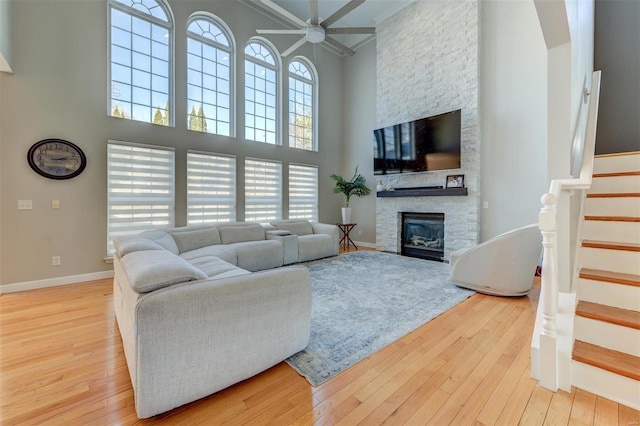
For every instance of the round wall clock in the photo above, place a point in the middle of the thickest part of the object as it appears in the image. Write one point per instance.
(56, 159)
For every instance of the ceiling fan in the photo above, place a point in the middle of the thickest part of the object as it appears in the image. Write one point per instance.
(316, 31)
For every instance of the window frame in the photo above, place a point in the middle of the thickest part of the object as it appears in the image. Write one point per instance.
(278, 90)
(315, 105)
(231, 49)
(170, 26)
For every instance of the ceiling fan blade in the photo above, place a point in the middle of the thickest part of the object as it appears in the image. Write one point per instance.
(301, 31)
(284, 13)
(335, 43)
(351, 30)
(341, 12)
(313, 12)
(295, 46)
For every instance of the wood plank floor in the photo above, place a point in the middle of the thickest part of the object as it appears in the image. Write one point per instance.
(61, 363)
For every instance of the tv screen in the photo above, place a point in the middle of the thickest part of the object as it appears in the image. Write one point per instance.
(427, 144)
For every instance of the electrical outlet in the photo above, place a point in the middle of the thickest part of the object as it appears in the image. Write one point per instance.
(359, 232)
(485, 204)
(25, 204)
(55, 261)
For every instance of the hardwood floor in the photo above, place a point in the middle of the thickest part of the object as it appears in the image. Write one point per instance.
(61, 363)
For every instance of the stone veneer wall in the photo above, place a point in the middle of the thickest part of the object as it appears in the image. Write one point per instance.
(427, 64)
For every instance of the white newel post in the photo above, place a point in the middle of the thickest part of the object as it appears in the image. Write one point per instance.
(549, 294)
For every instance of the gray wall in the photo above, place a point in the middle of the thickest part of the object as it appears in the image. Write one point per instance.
(513, 111)
(617, 55)
(6, 44)
(59, 90)
(359, 122)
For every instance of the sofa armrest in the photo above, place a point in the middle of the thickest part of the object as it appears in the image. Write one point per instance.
(289, 242)
(195, 339)
(325, 228)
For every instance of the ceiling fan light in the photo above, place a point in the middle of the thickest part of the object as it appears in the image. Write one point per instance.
(315, 34)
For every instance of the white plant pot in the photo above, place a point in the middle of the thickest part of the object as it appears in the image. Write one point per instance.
(346, 215)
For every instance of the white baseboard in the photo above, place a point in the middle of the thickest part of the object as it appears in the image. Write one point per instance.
(53, 282)
(363, 244)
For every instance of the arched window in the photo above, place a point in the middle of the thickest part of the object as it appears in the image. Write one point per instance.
(141, 57)
(209, 76)
(260, 90)
(302, 105)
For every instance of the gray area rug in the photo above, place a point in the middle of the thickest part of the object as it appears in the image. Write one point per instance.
(365, 300)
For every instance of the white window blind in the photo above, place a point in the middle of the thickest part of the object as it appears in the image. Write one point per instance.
(211, 188)
(140, 189)
(303, 192)
(263, 190)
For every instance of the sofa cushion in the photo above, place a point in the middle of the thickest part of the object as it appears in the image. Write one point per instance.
(226, 253)
(258, 255)
(192, 239)
(161, 237)
(241, 233)
(126, 245)
(215, 267)
(317, 246)
(150, 270)
(298, 227)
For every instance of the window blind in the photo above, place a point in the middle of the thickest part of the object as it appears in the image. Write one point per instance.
(140, 189)
(263, 190)
(303, 192)
(211, 188)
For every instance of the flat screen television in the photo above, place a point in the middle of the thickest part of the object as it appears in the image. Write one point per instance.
(427, 144)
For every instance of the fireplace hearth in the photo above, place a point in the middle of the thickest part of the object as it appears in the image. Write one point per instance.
(423, 235)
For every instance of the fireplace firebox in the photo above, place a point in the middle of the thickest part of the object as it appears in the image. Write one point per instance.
(423, 235)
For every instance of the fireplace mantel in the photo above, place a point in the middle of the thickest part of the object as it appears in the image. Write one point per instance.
(423, 192)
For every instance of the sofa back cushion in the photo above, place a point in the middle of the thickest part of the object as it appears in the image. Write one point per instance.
(241, 233)
(151, 270)
(161, 237)
(191, 239)
(297, 227)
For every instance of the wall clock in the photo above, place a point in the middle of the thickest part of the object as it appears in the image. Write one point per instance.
(56, 159)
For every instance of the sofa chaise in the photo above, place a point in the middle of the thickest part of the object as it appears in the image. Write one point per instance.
(201, 308)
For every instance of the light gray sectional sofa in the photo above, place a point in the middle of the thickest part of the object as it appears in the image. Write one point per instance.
(201, 308)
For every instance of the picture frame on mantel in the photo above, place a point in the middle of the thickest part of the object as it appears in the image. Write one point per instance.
(455, 181)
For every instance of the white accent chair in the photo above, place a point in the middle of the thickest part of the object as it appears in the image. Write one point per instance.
(502, 266)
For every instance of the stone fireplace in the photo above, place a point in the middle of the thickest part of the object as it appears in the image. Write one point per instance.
(423, 235)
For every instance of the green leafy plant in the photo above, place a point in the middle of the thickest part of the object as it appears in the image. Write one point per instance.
(355, 186)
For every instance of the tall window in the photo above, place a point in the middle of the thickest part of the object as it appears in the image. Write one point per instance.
(140, 189)
(209, 60)
(303, 192)
(141, 56)
(263, 190)
(302, 115)
(211, 188)
(260, 91)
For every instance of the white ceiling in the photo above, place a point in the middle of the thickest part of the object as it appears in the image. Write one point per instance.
(368, 14)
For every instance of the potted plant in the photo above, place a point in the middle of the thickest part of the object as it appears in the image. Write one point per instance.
(355, 186)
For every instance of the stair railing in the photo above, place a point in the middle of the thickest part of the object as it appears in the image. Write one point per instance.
(557, 243)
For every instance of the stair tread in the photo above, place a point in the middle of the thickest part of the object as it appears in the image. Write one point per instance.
(616, 174)
(610, 245)
(610, 314)
(613, 218)
(616, 362)
(612, 194)
(610, 277)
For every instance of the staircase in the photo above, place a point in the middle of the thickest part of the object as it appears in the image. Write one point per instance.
(606, 349)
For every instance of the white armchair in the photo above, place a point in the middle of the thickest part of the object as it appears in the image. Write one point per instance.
(502, 266)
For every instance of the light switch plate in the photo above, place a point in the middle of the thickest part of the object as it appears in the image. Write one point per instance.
(25, 204)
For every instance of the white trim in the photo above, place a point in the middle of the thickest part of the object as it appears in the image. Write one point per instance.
(54, 282)
(363, 244)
